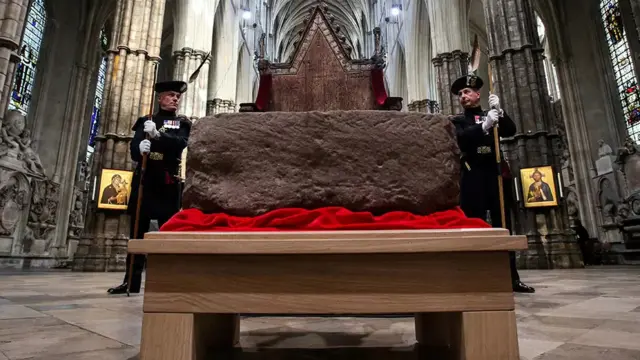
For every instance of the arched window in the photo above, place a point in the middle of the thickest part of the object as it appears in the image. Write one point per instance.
(97, 100)
(625, 77)
(29, 52)
(549, 68)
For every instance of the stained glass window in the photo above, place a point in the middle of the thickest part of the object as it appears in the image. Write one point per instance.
(29, 52)
(626, 80)
(97, 100)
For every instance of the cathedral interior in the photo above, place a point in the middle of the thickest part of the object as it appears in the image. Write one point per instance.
(76, 74)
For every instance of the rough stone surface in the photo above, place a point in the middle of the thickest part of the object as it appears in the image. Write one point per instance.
(246, 164)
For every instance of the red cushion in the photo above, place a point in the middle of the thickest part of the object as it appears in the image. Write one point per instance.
(329, 218)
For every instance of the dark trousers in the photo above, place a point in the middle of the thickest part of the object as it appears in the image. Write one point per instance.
(138, 259)
(474, 209)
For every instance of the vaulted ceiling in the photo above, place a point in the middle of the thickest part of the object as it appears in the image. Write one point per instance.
(287, 20)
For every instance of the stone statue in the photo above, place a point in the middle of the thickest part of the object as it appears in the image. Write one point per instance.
(7, 140)
(566, 158)
(18, 139)
(629, 148)
(76, 218)
(629, 159)
(377, 41)
(622, 213)
(572, 204)
(28, 239)
(604, 149)
(31, 158)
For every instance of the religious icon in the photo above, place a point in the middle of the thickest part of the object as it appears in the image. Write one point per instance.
(114, 189)
(614, 23)
(538, 187)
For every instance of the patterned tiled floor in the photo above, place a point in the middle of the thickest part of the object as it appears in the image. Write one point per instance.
(589, 314)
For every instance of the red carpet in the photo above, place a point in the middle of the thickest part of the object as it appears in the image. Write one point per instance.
(329, 218)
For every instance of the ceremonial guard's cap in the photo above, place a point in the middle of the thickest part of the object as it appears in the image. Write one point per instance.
(177, 86)
(467, 81)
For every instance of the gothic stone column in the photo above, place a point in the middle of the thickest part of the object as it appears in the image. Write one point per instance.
(519, 79)
(128, 90)
(12, 15)
(450, 41)
(194, 102)
(186, 61)
(449, 67)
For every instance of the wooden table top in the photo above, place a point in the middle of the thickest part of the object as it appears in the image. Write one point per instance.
(328, 242)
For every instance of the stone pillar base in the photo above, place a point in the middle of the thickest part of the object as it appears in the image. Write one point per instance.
(425, 106)
(217, 106)
(551, 252)
(100, 255)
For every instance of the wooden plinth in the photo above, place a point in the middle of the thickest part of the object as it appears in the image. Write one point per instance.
(456, 282)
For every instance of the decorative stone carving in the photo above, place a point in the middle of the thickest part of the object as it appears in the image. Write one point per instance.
(76, 217)
(610, 201)
(82, 178)
(15, 145)
(629, 159)
(12, 201)
(42, 214)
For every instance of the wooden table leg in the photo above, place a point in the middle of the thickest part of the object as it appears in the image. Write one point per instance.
(489, 335)
(438, 329)
(483, 335)
(188, 336)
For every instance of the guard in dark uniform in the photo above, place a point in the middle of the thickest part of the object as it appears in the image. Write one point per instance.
(479, 193)
(163, 138)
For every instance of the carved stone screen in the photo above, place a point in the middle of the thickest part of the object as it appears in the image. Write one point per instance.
(321, 77)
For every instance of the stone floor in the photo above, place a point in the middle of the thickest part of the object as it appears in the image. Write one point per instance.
(584, 314)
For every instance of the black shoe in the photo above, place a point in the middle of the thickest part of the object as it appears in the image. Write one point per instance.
(519, 286)
(122, 289)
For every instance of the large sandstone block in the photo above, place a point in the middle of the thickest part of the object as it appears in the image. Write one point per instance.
(246, 164)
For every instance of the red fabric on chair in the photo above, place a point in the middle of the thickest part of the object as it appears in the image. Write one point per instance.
(329, 218)
(264, 92)
(377, 83)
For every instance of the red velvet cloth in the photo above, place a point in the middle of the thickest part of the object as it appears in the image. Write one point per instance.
(264, 92)
(377, 83)
(329, 218)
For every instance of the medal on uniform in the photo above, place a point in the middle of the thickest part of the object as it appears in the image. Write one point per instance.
(171, 124)
(478, 119)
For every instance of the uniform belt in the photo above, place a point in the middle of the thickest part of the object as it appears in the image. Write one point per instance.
(156, 156)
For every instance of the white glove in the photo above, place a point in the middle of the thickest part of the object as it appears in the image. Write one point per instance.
(492, 120)
(150, 128)
(494, 102)
(145, 146)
